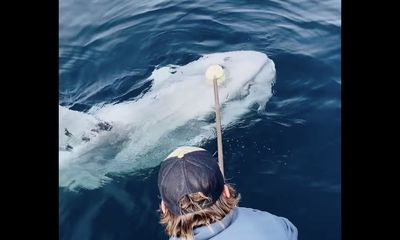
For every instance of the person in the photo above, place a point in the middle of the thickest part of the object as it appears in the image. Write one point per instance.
(197, 204)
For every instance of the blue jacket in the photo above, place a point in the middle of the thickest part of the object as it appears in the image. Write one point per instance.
(247, 223)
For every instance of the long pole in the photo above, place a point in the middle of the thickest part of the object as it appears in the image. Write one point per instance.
(218, 127)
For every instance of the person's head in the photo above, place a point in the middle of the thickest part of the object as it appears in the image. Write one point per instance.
(193, 192)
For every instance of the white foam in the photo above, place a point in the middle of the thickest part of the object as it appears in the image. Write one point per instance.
(173, 112)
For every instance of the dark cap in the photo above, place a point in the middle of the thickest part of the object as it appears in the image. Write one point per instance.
(189, 170)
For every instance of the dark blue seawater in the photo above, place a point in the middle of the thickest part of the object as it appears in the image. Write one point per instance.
(288, 163)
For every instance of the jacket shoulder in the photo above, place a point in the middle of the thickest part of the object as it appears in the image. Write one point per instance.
(257, 224)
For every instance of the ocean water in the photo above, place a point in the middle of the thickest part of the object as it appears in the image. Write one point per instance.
(138, 66)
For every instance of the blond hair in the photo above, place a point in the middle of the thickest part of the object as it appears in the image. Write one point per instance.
(195, 214)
